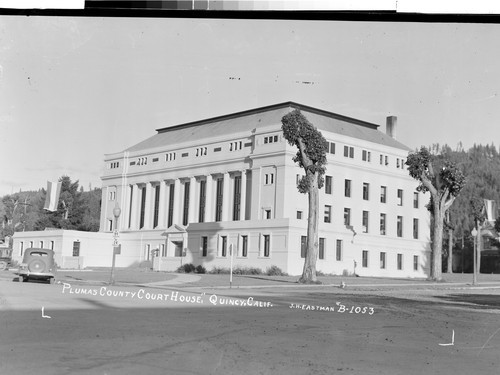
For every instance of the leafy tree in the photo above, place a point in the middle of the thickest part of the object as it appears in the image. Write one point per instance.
(479, 215)
(311, 155)
(444, 181)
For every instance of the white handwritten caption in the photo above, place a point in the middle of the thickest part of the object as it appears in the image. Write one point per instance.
(340, 308)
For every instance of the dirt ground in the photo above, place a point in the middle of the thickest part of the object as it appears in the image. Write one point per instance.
(85, 329)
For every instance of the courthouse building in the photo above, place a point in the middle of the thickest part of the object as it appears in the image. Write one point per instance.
(201, 191)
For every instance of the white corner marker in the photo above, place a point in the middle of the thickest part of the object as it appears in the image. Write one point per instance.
(452, 340)
(43, 314)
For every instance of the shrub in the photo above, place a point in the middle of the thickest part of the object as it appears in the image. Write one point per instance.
(200, 269)
(275, 271)
(186, 268)
(320, 273)
(247, 271)
(219, 270)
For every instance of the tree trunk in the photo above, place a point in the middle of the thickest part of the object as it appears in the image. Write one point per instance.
(437, 243)
(450, 251)
(309, 271)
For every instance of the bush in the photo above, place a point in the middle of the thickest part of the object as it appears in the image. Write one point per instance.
(200, 269)
(275, 271)
(320, 273)
(247, 271)
(219, 270)
(186, 268)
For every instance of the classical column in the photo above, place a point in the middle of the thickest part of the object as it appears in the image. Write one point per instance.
(226, 193)
(243, 195)
(192, 205)
(209, 200)
(177, 202)
(125, 206)
(134, 204)
(162, 209)
(148, 212)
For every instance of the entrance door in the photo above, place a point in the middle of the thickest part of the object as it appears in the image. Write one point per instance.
(179, 246)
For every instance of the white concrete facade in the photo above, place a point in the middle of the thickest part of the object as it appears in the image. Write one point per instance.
(196, 189)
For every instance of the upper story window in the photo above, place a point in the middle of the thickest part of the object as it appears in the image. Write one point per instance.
(366, 190)
(271, 139)
(347, 188)
(331, 147)
(115, 164)
(170, 156)
(384, 160)
(415, 199)
(349, 152)
(400, 197)
(269, 178)
(201, 151)
(383, 194)
(366, 156)
(328, 184)
(234, 146)
(141, 161)
(112, 195)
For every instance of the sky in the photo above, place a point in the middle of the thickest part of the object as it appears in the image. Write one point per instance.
(75, 89)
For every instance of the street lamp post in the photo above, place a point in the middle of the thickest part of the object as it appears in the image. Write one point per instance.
(474, 277)
(116, 213)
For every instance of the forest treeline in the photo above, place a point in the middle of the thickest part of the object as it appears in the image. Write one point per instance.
(77, 210)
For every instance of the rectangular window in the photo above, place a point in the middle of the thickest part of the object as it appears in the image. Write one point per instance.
(381, 159)
(223, 246)
(218, 201)
(267, 213)
(366, 190)
(347, 188)
(171, 205)
(267, 245)
(382, 224)
(203, 192)
(244, 246)
(147, 250)
(347, 216)
(383, 194)
(321, 253)
(400, 261)
(143, 208)
(328, 184)
(349, 152)
(299, 215)
(303, 246)
(51, 245)
(365, 222)
(338, 250)
(21, 248)
(366, 156)
(415, 199)
(76, 248)
(110, 225)
(156, 206)
(41, 244)
(400, 226)
(328, 214)
(365, 259)
(204, 246)
(269, 178)
(237, 198)
(185, 215)
(31, 244)
(332, 148)
(415, 229)
(415, 263)
(397, 163)
(386, 160)
(400, 197)
(382, 260)
(163, 250)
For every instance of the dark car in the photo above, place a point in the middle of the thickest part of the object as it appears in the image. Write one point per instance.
(38, 264)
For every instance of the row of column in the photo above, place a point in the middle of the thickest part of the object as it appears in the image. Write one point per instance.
(171, 203)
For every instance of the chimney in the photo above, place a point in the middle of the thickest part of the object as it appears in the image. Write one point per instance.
(391, 125)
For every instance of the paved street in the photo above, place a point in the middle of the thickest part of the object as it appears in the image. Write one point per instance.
(93, 328)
